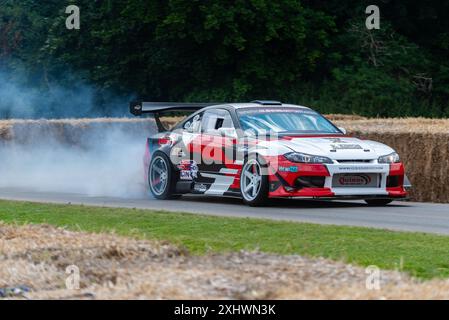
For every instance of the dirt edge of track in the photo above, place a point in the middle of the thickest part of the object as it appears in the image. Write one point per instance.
(36, 257)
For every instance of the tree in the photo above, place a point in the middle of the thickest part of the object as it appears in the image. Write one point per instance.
(310, 52)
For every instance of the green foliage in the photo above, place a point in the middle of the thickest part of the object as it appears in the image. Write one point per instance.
(385, 75)
(309, 52)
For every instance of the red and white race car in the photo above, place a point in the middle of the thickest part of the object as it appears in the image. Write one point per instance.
(262, 150)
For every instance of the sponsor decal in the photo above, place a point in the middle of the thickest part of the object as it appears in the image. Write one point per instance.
(200, 187)
(354, 180)
(186, 175)
(337, 143)
(359, 168)
(178, 152)
(345, 146)
(336, 140)
(275, 110)
(188, 170)
(288, 169)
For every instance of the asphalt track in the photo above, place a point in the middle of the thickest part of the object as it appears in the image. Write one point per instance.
(402, 216)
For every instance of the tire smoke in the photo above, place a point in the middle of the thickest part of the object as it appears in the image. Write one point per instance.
(96, 157)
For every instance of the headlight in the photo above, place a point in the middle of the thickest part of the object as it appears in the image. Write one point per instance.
(389, 158)
(306, 158)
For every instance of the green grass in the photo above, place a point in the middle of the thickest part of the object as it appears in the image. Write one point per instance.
(422, 255)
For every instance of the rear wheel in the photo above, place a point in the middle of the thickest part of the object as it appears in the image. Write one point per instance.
(161, 177)
(378, 202)
(254, 182)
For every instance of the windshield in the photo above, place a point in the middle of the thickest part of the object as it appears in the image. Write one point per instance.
(284, 120)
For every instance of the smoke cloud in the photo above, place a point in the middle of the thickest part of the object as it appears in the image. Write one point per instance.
(94, 157)
(97, 157)
(22, 99)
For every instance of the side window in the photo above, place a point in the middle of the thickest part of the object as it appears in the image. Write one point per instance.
(193, 125)
(187, 125)
(215, 119)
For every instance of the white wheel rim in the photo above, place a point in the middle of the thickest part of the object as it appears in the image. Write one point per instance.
(158, 175)
(251, 180)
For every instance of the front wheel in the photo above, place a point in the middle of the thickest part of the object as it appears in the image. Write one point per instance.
(161, 177)
(254, 182)
(378, 202)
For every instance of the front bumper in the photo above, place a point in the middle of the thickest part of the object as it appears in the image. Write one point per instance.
(285, 175)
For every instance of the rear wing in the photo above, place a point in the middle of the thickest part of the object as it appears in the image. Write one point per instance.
(138, 108)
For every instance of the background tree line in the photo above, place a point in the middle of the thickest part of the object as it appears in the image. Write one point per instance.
(313, 52)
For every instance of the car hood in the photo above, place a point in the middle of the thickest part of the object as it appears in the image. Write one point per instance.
(339, 148)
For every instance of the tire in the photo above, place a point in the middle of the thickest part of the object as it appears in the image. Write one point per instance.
(378, 202)
(256, 194)
(161, 169)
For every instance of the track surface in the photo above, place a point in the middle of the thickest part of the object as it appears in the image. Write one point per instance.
(404, 216)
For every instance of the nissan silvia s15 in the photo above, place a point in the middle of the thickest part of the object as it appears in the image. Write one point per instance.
(263, 150)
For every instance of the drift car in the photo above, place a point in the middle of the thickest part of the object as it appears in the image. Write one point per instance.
(263, 150)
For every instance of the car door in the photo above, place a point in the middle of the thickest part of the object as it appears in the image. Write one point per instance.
(218, 146)
(186, 153)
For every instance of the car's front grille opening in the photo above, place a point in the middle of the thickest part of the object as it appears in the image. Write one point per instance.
(310, 182)
(392, 181)
(355, 161)
(356, 180)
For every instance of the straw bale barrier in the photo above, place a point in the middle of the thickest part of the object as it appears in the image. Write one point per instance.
(422, 143)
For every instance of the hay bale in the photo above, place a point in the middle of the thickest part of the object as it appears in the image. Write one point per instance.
(75, 132)
(422, 143)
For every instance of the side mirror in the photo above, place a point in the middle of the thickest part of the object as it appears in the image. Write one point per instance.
(342, 130)
(228, 132)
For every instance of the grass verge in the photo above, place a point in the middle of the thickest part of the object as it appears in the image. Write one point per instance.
(422, 255)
